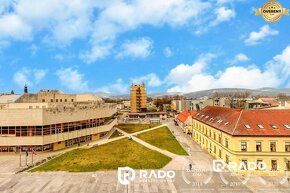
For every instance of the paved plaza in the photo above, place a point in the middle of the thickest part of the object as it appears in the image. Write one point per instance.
(200, 179)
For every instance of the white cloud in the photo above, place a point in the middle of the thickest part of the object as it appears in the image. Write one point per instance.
(13, 26)
(223, 14)
(117, 87)
(28, 76)
(183, 72)
(62, 22)
(97, 52)
(274, 73)
(140, 48)
(167, 52)
(256, 37)
(152, 80)
(133, 14)
(72, 79)
(239, 58)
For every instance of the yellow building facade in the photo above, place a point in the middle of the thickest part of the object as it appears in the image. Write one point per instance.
(245, 136)
(138, 98)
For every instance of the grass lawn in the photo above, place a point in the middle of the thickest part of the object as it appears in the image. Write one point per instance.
(132, 128)
(123, 152)
(163, 139)
(115, 134)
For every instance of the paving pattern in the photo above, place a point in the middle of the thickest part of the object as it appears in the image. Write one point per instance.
(200, 179)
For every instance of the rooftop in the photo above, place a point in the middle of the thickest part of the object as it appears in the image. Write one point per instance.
(240, 122)
(185, 114)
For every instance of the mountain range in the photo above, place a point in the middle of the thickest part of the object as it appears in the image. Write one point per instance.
(271, 92)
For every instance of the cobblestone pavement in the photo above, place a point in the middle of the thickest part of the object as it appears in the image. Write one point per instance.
(200, 179)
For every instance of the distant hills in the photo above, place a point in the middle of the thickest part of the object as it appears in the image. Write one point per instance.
(204, 93)
(254, 92)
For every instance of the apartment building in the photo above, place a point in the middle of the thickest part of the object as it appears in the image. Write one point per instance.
(236, 135)
(138, 98)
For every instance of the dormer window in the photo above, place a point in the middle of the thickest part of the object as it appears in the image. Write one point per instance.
(248, 126)
(260, 126)
(287, 126)
(274, 126)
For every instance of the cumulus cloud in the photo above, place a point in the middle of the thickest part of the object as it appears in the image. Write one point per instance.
(152, 80)
(167, 52)
(182, 73)
(223, 14)
(61, 22)
(239, 58)
(97, 52)
(29, 76)
(140, 48)
(274, 73)
(117, 87)
(72, 79)
(255, 38)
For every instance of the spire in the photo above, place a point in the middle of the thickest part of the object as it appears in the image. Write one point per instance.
(25, 89)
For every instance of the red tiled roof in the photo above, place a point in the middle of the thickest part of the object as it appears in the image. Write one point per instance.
(184, 115)
(271, 101)
(236, 121)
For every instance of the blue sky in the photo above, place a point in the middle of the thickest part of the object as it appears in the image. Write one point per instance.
(171, 45)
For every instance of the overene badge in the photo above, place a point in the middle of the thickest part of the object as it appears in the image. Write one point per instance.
(272, 11)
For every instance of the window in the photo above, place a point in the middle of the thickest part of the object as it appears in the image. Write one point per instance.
(274, 126)
(258, 163)
(51, 100)
(244, 165)
(43, 100)
(56, 100)
(214, 149)
(72, 100)
(287, 126)
(272, 146)
(60, 100)
(214, 136)
(65, 100)
(220, 153)
(287, 146)
(288, 165)
(226, 143)
(243, 146)
(227, 159)
(274, 165)
(260, 126)
(258, 146)
(220, 138)
(248, 126)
